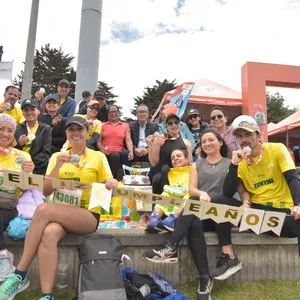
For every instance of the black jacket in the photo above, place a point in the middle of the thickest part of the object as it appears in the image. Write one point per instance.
(57, 131)
(40, 147)
(102, 114)
(135, 131)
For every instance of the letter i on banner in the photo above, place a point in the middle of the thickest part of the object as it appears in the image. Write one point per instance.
(273, 221)
(252, 219)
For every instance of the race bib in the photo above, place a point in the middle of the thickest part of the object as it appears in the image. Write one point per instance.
(66, 196)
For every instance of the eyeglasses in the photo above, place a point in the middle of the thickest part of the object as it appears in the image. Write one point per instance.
(176, 122)
(193, 117)
(216, 116)
(94, 108)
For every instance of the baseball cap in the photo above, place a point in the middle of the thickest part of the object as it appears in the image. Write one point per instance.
(244, 122)
(86, 94)
(64, 81)
(31, 102)
(193, 111)
(79, 121)
(172, 116)
(99, 94)
(52, 97)
(93, 102)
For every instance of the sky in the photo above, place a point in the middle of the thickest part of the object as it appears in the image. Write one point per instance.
(147, 40)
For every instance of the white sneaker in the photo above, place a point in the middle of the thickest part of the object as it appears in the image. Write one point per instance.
(6, 264)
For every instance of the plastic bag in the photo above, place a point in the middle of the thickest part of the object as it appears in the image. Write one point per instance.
(17, 227)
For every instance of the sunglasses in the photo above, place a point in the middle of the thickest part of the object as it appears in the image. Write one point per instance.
(94, 108)
(216, 117)
(176, 122)
(193, 117)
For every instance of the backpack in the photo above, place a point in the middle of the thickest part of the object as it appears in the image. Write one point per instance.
(99, 275)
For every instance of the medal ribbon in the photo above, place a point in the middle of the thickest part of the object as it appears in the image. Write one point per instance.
(250, 160)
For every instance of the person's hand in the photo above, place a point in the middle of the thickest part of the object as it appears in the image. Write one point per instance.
(111, 183)
(130, 155)
(149, 140)
(61, 159)
(159, 139)
(204, 197)
(144, 152)
(2, 108)
(237, 156)
(27, 166)
(55, 121)
(245, 205)
(23, 139)
(137, 151)
(296, 212)
(197, 151)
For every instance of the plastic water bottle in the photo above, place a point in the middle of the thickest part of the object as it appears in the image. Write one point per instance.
(62, 281)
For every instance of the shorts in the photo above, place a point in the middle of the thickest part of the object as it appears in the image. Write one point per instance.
(97, 217)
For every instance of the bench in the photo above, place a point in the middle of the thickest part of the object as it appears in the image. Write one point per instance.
(263, 257)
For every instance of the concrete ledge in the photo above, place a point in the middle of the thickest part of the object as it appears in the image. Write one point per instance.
(263, 257)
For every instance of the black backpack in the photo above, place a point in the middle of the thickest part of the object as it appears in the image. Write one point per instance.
(99, 275)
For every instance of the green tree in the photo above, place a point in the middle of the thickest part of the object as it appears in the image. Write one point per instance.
(152, 96)
(110, 96)
(276, 109)
(50, 65)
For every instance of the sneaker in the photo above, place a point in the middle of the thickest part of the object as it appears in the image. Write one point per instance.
(151, 227)
(13, 285)
(226, 267)
(168, 223)
(165, 253)
(6, 264)
(46, 298)
(205, 288)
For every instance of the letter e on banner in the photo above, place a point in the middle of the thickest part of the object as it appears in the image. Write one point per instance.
(273, 221)
(13, 177)
(193, 207)
(252, 219)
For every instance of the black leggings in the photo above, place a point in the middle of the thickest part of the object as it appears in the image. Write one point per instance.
(290, 228)
(195, 228)
(6, 215)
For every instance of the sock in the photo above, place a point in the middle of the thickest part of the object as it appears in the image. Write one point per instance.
(21, 273)
(48, 294)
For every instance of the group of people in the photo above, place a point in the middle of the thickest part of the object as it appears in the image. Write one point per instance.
(45, 136)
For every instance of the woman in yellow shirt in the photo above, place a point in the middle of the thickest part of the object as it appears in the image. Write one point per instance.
(11, 159)
(68, 214)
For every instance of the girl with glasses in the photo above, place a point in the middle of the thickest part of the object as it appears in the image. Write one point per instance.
(196, 126)
(218, 119)
(160, 149)
(95, 126)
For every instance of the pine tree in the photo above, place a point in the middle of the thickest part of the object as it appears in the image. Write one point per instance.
(152, 96)
(50, 65)
(109, 95)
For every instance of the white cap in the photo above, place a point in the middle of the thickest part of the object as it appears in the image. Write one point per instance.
(244, 122)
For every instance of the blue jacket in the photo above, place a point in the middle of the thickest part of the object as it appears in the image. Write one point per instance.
(184, 132)
(67, 110)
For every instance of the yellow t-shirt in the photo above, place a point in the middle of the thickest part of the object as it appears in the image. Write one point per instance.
(9, 162)
(265, 181)
(62, 100)
(27, 146)
(95, 127)
(15, 113)
(93, 167)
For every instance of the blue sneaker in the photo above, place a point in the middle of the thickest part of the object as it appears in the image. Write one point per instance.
(13, 285)
(168, 223)
(151, 227)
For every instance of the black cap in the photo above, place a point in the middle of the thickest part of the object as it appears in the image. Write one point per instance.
(86, 94)
(64, 81)
(172, 116)
(79, 121)
(99, 94)
(52, 97)
(193, 111)
(31, 102)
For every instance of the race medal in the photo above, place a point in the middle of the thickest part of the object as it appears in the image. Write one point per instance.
(75, 159)
(31, 136)
(65, 196)
(8, 106)
(247, 151)
(19, 160)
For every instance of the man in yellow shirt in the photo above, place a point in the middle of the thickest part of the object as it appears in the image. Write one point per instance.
(8, 107)
(266, 178)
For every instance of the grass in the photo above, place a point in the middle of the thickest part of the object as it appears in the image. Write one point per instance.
(263, 290)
